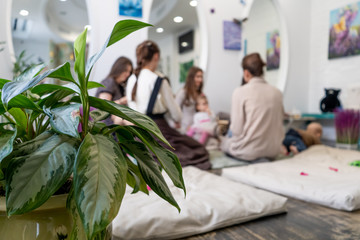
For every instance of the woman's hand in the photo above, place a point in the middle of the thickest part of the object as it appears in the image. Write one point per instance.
(121, 101)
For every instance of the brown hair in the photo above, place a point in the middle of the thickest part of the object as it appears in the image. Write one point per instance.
(190, 89)
(120, 66)
(144, 53)
(254, 64)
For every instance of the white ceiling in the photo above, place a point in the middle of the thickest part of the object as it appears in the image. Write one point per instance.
(180, 8)
(64, 20)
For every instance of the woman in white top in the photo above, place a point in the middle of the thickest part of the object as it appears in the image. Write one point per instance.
(140, 88)
(186, 97)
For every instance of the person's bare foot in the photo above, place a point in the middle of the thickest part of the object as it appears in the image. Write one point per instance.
(294, 149)
(283, 150)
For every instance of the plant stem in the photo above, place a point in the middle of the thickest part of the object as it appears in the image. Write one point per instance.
(86, 109)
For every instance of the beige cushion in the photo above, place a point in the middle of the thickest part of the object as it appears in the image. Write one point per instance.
(211, 202)
(319, 174)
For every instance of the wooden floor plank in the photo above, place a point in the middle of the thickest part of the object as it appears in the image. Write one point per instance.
(302, 221)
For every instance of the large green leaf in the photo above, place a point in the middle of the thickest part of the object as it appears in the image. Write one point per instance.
(99, 182)
(30, 72)
(135, 179)
(80, 48)
(120, 30)
(126, 113)
(98, 115)
(12, 89)
(65, 119)
(20, 101)
(63, 73)
(54, 98)
(6, 142)
(77, 229)
(43, 89)
(3, 81)
(150, 170)
(20, 119)
(168, 160)
(33, 178)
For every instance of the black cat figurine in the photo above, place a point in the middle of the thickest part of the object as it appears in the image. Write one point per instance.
(330, 102)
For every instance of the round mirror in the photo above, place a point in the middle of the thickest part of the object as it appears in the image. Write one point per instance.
(264, 32)
(44, 31)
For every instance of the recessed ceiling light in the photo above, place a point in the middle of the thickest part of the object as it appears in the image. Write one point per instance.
(63, 0)
(159, 30)
(193, 3)
(24, 12)
(184, 44)
(88, 27)
(178, 19)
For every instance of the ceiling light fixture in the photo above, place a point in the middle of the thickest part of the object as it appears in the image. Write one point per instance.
(63, 0)
(193, 3)
(24, 12)
(178, 19)
(184, 44)
(159, 30)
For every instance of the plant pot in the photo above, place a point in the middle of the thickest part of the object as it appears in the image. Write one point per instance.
(50, 221)
(347, 146)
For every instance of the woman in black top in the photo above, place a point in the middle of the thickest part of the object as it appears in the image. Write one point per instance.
(115, 85)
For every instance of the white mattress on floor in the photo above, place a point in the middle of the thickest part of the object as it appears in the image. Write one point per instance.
(319, 174)
(211, 202)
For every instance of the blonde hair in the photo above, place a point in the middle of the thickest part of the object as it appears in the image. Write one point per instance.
(199, 98)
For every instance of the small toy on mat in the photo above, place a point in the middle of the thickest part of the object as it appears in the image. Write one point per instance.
(355, 163)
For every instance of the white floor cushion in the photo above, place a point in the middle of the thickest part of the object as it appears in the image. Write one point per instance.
(211, 202)
(319, 174)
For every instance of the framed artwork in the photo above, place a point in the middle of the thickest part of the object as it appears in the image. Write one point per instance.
(184, 68)
(272, 50)
(344, 32)
(130, 8)
(232, 35)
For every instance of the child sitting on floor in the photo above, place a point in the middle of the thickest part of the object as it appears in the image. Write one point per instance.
(204, 124)
(298, 140)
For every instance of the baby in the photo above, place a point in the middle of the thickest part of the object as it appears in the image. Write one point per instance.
(298, 140)
(203, 124)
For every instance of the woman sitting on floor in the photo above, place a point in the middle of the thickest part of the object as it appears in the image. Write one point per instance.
(256, 128)
(150, 94)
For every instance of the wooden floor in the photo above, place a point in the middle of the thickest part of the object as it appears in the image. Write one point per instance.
(302, 221)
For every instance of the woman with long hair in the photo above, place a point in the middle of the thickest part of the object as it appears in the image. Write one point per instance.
(115, 85)
(150, 94)
(186, 97)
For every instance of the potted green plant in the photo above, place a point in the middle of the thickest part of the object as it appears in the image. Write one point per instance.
(41, 146)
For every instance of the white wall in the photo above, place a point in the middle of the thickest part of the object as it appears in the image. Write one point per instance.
(102, 17)
(263, 18)
(223, 73)
(340, 73)
(6, 55)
